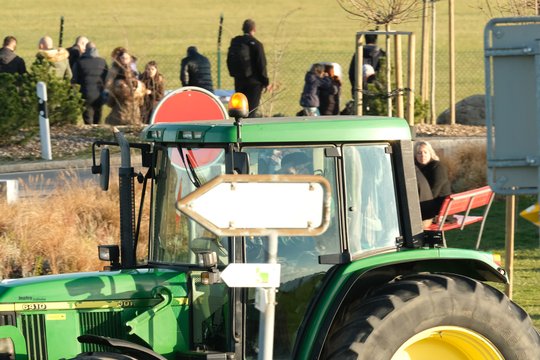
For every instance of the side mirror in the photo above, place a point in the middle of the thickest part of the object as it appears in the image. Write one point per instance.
(239, 163)
(110, 253)
(103, 169)
(105, 163)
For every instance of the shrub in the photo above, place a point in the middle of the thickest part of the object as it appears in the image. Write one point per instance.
(64, 100)
(19, 102)
(375, 97)
(13, 104)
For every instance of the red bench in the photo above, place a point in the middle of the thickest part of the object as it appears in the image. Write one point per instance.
(454, 213)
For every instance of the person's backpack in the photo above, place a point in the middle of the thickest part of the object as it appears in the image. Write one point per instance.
(239, 58)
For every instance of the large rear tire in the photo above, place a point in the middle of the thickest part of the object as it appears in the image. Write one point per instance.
(425, 317)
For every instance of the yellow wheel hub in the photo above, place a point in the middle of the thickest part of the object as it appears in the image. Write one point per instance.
(448, 343)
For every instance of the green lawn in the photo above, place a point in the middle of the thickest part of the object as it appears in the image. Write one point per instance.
(527, 251)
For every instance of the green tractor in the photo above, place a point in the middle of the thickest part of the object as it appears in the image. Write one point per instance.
(373, 286)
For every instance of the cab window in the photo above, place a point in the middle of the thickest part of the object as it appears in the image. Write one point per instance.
(371, 204)
(301, 273)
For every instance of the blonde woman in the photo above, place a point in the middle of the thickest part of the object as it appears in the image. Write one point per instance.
(434, 171)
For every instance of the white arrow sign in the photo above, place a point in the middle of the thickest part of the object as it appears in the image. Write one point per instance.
(251, 275)
(235, 205)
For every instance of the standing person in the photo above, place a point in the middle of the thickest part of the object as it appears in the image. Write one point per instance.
(195, 70)
(58, 58)
(246, 62)
(329, 97)
(434, 171)
(9, 61)
(76, 50)
(155, 90)
(125, 91)
(90, 72)
(133, 62)
(371, 55)
(314, 81)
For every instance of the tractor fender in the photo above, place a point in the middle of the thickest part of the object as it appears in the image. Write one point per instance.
(346, 282)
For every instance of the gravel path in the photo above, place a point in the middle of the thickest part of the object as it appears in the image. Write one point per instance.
(70, 142)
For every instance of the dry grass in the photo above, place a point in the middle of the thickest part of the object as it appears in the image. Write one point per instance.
(58, 231)
(467, 168)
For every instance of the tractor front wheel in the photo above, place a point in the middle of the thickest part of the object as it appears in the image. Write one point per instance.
(431, 316)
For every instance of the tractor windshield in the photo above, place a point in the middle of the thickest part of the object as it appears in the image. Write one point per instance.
(179, 171)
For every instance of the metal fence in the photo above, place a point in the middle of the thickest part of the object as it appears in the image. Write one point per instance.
(287, 75)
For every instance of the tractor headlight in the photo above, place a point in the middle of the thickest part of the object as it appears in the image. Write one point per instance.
(7, 351)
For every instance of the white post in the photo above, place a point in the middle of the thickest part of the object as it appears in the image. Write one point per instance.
(267, 317)
(9, 191)
(44, 132)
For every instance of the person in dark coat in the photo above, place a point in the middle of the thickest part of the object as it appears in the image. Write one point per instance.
(314, 81)
(329, 96)
(90, 72)
(9, 61)
(76, 50)
(252, 86)
(195, 70)
(155, 90)
(435, 172)
(371, 55)
(427, 208)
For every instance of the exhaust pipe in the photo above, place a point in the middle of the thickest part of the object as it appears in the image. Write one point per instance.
(127, 203)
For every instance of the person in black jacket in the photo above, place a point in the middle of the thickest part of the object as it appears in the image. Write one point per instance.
(329, 96)
(76, 50)
(195, 70)
(371, 55)
(427, 207)
(90, 72)
(315, 81)
(434, 171)
(9, 61)
(252, 85)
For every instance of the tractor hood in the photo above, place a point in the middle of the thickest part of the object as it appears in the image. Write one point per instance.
(125, 284)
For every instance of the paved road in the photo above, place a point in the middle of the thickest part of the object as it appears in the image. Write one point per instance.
(42, 176)
(41, 182)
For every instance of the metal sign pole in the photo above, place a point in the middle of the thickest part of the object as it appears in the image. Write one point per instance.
(267, 317)
(359, 75)
(510, 231)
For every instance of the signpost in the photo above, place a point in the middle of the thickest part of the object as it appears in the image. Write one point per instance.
(512, 80)
(239, 205)
(263, 205)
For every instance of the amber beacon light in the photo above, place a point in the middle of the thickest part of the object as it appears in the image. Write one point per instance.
(238, 106)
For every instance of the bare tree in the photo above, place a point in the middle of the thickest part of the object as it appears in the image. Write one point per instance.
(509, 7)
(382, 12)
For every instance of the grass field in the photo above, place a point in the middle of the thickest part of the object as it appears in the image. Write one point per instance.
(306, 32)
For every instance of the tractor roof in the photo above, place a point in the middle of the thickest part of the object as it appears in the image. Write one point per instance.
(286, 130)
